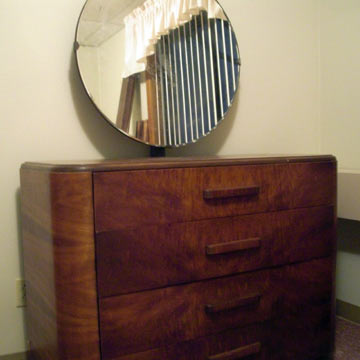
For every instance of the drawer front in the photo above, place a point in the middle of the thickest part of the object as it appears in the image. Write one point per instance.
(305, 336)
(142, 321)
(155, 256)
(133, 198)
(242, 343)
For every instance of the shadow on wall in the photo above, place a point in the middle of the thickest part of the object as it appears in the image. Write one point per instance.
(20, 249)
(112, 144)
(108, 141)
(349, 236)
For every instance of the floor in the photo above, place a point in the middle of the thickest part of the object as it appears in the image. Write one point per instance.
(347, 343)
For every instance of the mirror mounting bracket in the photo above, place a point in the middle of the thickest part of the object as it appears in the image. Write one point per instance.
(156, 151)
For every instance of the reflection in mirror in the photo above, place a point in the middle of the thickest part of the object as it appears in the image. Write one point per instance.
(164, 72)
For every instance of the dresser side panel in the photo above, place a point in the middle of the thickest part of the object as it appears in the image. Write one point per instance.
(74, 264)
(38, 252)
(59, 262)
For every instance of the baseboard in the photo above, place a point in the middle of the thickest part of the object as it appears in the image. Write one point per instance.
(347, 311)
(18, 356)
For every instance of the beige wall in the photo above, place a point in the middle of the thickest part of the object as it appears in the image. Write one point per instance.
(340, 121)
(340, 80)
(46, 115)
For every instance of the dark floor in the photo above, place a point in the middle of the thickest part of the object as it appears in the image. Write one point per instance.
(347, 343)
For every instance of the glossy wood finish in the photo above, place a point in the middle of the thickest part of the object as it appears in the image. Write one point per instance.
(125, 103)
(239, 353)
(150, 319)
(203, 348)
(38, 255)
(174, 162)
(302, 336)
(57, 222)
(233, 246)
(236, 303)
(135, 259)
(154, 121)
(195, 259)
(134, 198)
(244, 191)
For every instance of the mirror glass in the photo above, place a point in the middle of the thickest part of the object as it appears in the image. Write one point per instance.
(164, 72)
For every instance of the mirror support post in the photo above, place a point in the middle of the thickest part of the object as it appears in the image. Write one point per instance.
(157, 151)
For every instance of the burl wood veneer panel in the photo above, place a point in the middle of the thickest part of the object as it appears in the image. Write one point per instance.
(152, 319)
(303, 336)
(134, 198)
(146, 257)
(59, 257)
(174, 222)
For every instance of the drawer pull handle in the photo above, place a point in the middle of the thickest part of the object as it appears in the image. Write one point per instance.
(239, 353)
(209, 194)
(233, 246)
(232, 304)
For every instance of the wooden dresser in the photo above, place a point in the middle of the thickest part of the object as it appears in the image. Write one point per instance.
(180, 259)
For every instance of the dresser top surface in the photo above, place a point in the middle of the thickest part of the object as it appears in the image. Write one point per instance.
(171, 162)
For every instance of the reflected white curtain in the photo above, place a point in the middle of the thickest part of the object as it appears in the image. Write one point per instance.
(145, 25)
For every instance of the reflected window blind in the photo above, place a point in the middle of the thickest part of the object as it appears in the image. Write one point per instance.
(196, 67)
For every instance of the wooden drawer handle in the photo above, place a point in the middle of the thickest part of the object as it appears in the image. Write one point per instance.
(232, 304)
(239, 353)
(233, 246)
(209, 194)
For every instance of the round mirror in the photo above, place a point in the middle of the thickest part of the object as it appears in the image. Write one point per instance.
(164, 72)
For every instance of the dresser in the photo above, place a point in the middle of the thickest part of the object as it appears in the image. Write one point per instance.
(180, 258)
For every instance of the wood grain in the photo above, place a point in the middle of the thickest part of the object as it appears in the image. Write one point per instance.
(311, 184)
(233, 246)
(202, 348)
(303, 336)
(239, 353)
(174, 162)
(151, 319)
(125, 103)
(226, 193)
(135, 259)
(180, 277)
(142, 130)
(150, 75)
(39, 265)
(130, 198)
(57, 220)
(235, 303)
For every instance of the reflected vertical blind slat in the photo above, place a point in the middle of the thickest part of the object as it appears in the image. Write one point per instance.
(186, 37)
(195, 100)
(171, 84)
(198, 64)
(165, 60)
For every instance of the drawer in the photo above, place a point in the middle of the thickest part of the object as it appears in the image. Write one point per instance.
(133, 198)
(153, 256)
(180, 313)
(306, 336)
(245, 342)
